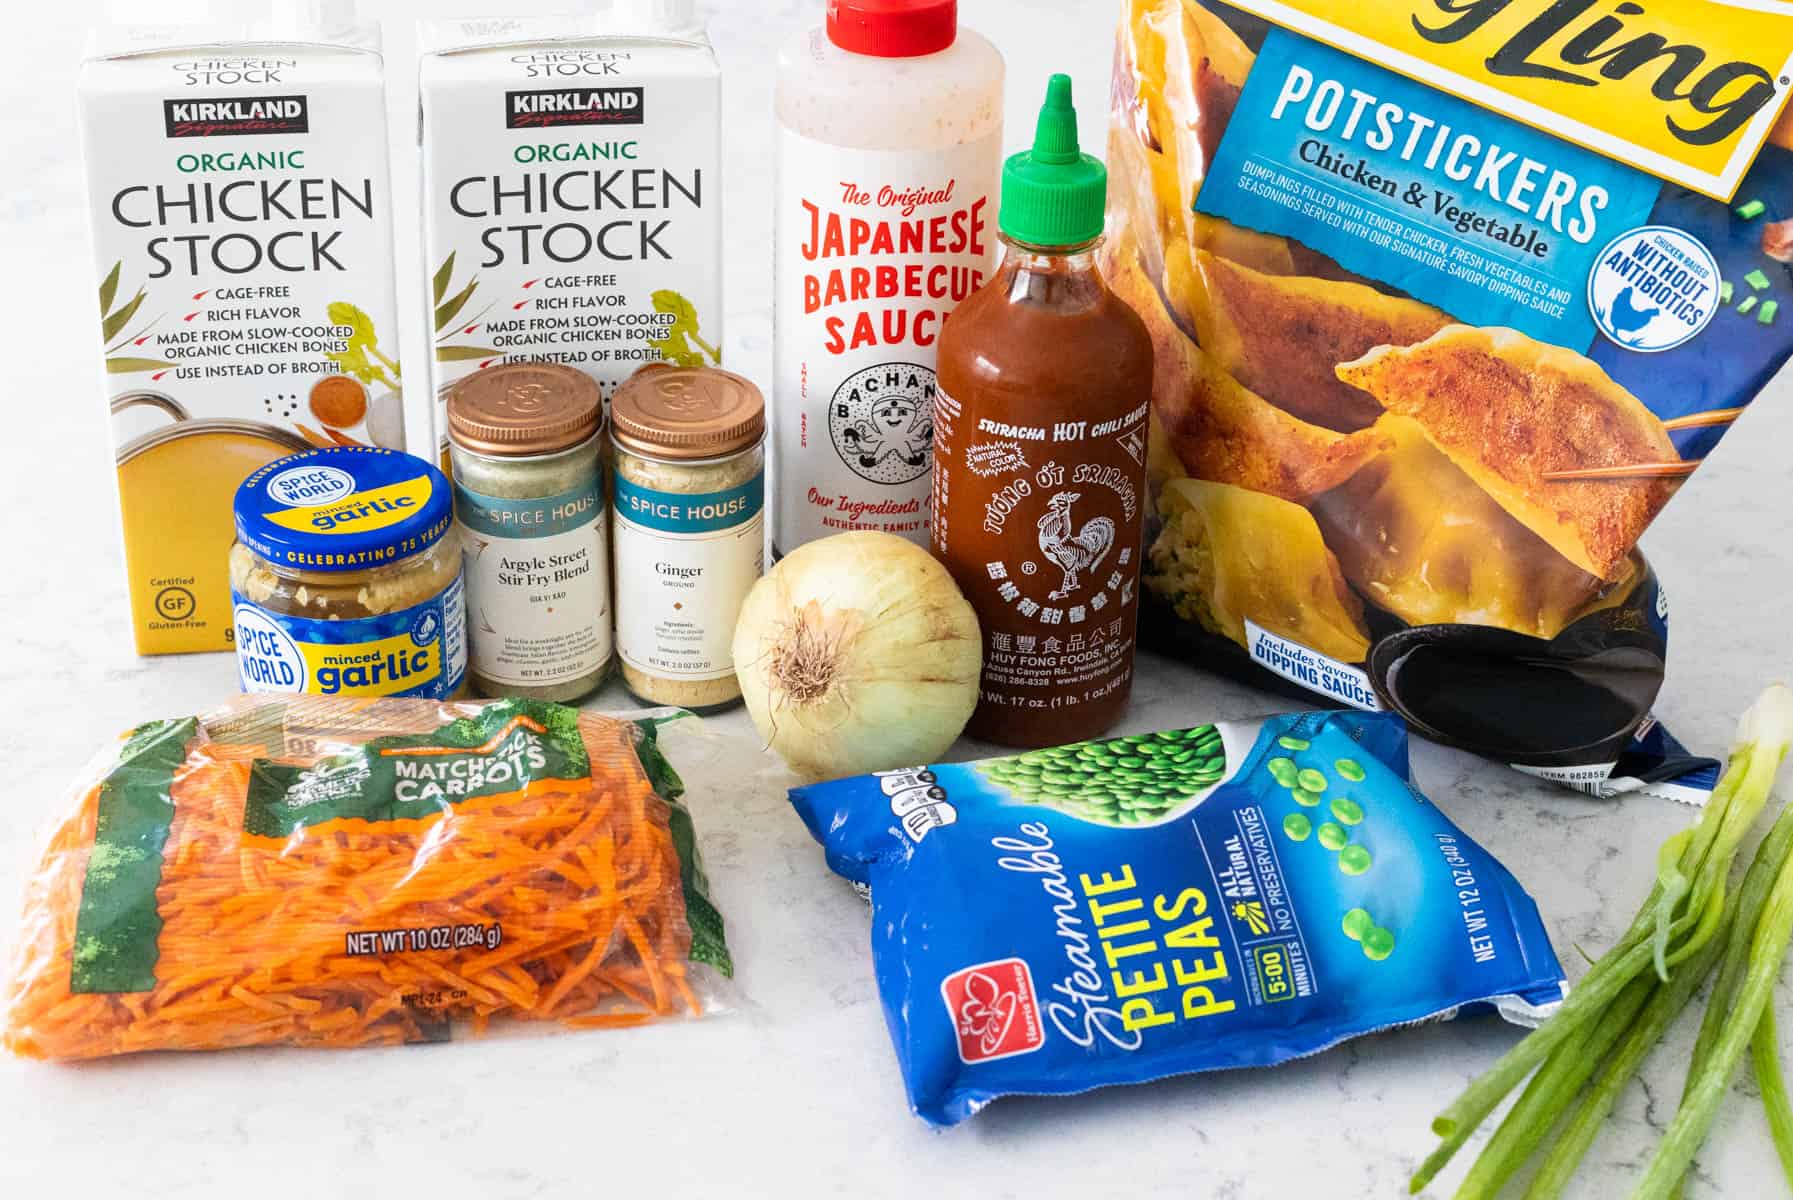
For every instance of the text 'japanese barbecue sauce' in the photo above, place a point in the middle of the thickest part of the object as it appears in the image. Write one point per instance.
(889, 145)
(1039, 454)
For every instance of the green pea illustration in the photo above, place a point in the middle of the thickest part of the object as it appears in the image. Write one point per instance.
(1284, 771)
(1378, 943)
(1296, 826)
(1346, 810)
(1349, 768)
(1354, 860)
(1306, 799)
(1333, 837)
(1357, 922)
(1312, 780)
(1127, 780)
(1292, 743)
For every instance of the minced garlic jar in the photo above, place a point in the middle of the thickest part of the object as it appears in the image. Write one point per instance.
(346, 577)
(690, 493)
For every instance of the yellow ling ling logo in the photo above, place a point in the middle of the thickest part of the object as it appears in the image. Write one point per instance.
(376, 508)
(1686, 90)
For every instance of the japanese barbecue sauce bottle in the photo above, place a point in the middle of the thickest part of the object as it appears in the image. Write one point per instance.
(889, 148)
(1039, 454)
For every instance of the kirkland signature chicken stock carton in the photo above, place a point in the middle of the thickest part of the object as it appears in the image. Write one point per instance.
(242, 226)
(572, 191)
(1449, 299)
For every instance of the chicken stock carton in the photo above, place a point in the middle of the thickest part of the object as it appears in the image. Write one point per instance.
(572, 192)
(241, 215)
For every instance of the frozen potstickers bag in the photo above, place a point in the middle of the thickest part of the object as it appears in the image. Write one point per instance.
(1449, 300)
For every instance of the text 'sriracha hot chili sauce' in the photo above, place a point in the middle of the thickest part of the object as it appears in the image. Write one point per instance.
(889, 143)
(1039, 454)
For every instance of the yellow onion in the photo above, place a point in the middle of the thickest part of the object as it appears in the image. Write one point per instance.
(858, 653)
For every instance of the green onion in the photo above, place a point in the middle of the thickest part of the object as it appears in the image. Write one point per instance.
(1750, 900)
(1751, 209)
(1665, 1004)
(1745, 304)
(1757, 280)
(1764, 1050)
(1580, 1010)
(1765, 315)
(1726, 291)
(1594, 1043)
(1551, 1089)
(1699, 1105)
(1663, 1008)
(1736, 803)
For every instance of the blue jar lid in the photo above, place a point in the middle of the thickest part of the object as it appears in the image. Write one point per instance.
(347, 508)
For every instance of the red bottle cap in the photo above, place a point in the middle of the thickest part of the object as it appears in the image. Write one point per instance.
(893, 28)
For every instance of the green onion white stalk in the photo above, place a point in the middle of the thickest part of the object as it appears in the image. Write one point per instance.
(1690, 924)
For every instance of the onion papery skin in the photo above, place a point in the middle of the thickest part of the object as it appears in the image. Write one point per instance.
(858, 653)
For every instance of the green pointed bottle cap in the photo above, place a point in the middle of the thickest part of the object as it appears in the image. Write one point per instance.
(1053, 195)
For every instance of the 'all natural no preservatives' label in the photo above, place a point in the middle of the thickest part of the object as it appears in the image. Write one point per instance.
(874, 250)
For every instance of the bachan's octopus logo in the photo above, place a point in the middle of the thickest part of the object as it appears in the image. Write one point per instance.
(882, 422)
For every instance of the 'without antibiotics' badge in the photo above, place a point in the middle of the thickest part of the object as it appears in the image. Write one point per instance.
(1653, 288)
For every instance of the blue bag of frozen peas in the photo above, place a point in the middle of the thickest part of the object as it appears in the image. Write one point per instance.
(1116, 911)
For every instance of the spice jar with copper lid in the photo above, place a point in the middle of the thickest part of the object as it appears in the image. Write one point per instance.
(690, 490)
(529, 501)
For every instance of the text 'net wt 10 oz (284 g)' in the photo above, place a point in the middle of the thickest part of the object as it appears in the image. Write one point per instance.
(344, 873)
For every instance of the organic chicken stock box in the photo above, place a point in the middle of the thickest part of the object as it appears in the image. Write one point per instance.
(572, 200)
(241, 216)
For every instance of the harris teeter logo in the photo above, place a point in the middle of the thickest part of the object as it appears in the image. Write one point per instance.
(237, 117)
(556, 107)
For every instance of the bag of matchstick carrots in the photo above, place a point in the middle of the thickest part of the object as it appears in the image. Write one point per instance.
(330, 872)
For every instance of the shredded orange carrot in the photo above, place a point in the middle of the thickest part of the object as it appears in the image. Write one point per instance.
(577, 886)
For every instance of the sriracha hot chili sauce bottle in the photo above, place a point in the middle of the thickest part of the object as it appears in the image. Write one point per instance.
(1039, 454)
(889, 144)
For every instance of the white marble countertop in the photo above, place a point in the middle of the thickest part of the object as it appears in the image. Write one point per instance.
(794, 1091)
